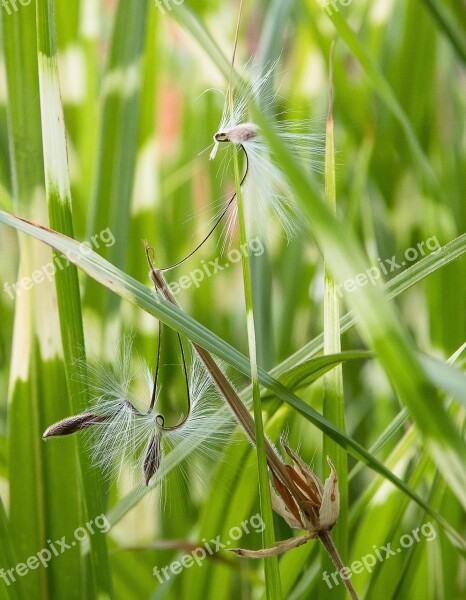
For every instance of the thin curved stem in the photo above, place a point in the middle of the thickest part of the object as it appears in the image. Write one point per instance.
(188, 395)
(157, 368)
(217, 222)
(161, 425)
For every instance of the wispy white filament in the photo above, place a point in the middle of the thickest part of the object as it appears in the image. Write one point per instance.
(266, 191)
(123, 438)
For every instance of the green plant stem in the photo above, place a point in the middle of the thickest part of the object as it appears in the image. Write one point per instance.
(58, 193)
(334, 401)
(272, 573)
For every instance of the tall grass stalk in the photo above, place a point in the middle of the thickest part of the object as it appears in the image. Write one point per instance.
(59, 202)
(334, 401)
(272, 572)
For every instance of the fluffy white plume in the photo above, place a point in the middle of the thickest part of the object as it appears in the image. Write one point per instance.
(128, 435)
(266, 191)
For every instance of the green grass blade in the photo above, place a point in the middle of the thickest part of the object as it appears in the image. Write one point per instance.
(446, 377)
(8, 591)
(334, 400)
(378, 322)
(118, 137)
(448, 25)
(272, 573)
(67, 285)
(38, 506)
(189, 20)
(396, 286)
(311, 370)
(384, 90)
(275, 21)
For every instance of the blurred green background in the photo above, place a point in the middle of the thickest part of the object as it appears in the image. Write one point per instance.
(141, 98)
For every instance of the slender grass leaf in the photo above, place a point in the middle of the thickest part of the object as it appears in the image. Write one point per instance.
(68, 293)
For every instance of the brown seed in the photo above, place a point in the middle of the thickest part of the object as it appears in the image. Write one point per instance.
(288, 500)
(239, 134)
(153, 458)
(72, 425)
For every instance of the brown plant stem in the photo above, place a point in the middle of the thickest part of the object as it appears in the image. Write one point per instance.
(326, 539)
(239, 409)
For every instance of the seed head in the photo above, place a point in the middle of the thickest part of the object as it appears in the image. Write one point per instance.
(153, 457)
(72, 425)
(316, 511)
(266, 192)
(322, 501)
